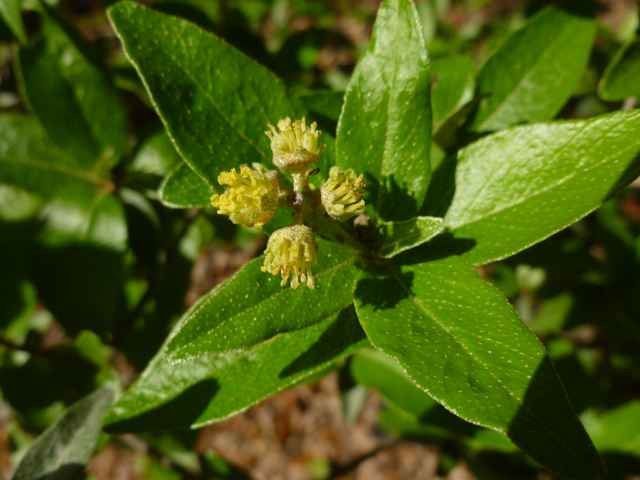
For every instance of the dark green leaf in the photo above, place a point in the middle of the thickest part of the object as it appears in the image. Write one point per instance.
(459, 339)
(29, 160)
(385, 127)
(453, 85)
(74, 96)
(215, 102)
(64, 449)
(514, 188)
(400, 236)
(215, 387)
(184, 188)
(252, 307)
(327, 104)
(535, 71)
(10, 13)
(79, 259)
(620, 79)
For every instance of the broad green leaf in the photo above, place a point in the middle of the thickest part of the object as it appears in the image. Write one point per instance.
(10, 13)
(184, 188)
(78, 260)
(215, 102)
(620, 79)
(517, 187)
(453, 81)
(535, 71)
(74, 96)
(327, 104)
(213, 388)
(400, 236)
(29, 160)
(385, 127)
(252, 307)
(63, 450)
(458, 338)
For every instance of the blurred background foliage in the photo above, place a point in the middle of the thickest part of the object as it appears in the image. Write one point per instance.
(95, 270)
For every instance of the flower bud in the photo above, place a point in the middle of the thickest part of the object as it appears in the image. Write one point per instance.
(251, 199)
(342, 193)
(292, 249)
(294, 147)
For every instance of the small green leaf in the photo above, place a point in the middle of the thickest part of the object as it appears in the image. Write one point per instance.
(10, 13)
(453, 82)
(459, 339)
(327, 104)
(155, 154)
(74, 96)
(535, 71)
(385, 127)
(29, 160)
(64, 448)
(400, 236)
(620, 79)
(215, 102)
(515, 188)
(252, 307)
(212, 388)
(184, 188)
(78, 259)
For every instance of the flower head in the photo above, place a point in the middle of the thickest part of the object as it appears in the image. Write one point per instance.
(292, 249)
(342, 193)
(294, 147)
(251, 199)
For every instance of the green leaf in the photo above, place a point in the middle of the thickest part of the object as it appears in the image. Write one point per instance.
(535, 71)
(517, 187)
(10, 13)
(63, 450)
(453, 82)
(620, 79)
(78, 261)
(459, 339)
(213, 388)
(215, 102)
(184, 188)
(252, 307)
(400, 236)
(385, 127)
(155, 154)
(29, 160)
(74, 96)
(327, 104)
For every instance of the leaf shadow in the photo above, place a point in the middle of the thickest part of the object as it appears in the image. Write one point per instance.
(184, 409)
(395, 202)
(330, 344)
(387, 289)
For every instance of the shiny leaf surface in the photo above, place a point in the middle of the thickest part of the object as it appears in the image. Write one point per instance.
(183, 188)
(385, 127)
(400, 236)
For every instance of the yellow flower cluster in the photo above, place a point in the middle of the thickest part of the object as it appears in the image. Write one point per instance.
(292, 250)
(295, 147)
(342, 193)
(250, 200)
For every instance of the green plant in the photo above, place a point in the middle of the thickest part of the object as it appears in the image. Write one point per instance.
(459, 171)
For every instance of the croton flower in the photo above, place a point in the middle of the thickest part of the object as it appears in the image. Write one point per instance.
(251, 199)
(294, 147)
(292, 250)
(342, 193)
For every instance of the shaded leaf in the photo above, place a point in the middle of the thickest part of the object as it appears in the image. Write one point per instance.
(74, 96)
(459, 339)
(252, 307)
(327, 104)
(213, 388)
(215, 102)
(184, 188)
(535, 71)
(64, 449)
(514, 188)
(620, 79)
(385, 127)
(400, 236)
(10, 13)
